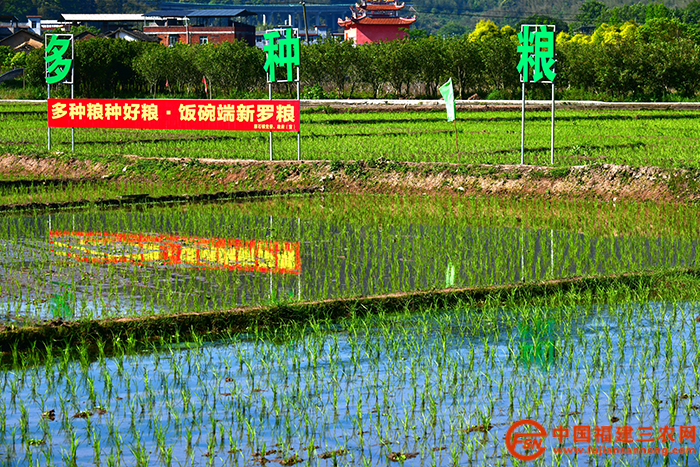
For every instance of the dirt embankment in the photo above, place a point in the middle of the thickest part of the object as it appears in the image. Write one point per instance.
(597, 181)
(62, 334)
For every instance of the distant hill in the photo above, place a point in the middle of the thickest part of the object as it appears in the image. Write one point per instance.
(445, 16)
(435, 14)
(52, 9)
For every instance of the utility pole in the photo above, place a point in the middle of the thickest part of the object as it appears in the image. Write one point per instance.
(306, 25)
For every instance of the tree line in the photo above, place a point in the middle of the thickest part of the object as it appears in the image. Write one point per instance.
(442, 16)
(657, 60)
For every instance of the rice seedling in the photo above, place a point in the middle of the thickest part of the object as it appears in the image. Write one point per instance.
(428, 385)
(631, 137)
(215, 256)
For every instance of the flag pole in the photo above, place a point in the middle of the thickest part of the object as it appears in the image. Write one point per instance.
(456, 142)
(447, 92)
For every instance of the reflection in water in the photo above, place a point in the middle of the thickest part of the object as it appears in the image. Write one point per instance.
(214, 257)
(204, 253)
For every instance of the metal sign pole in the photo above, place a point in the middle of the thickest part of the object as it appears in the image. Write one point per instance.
(56, 70)
(284, 53)
(299, 99)
(48, 94)
(269, 88)
(522, 254)
(538, 53)
(72, 130)
(551, 252)
(299, 276)
(269, 239)
(522, 128)
(552, 155)
(72, 85)
(48, 90)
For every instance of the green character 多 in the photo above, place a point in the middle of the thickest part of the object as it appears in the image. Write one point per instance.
(57, 65)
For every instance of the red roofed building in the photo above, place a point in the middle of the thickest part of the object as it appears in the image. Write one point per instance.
(376, 21)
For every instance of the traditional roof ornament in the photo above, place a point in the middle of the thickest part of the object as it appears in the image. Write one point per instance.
(380, 13)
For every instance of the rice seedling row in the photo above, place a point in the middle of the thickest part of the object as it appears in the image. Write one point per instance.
(638, 138)
(215, 256)
(424, 387)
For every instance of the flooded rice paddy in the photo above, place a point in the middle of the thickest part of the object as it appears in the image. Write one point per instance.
(595, 377)
(202, 257)
(427, 387)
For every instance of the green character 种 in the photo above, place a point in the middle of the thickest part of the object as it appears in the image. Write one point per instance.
(283, 53)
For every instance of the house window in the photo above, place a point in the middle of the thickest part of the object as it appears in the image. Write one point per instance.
(203, 39)
(172, 40)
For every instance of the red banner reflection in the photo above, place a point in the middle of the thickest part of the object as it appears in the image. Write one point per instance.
(199, 252)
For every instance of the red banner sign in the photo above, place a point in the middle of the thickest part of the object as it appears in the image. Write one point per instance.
(175, 114)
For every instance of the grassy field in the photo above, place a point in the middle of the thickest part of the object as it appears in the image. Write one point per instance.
(581, 312)
(637, 138)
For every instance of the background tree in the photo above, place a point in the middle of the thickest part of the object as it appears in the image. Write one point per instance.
(431, 56)
(664, 29)
(620, 69)
(590, 14)
(691, 13)
(5, 56)
(561, 25)
(312, 66)
(670, 67)
(400, 64)
(452, 29)
(370, 66)
(635, 12)
(235, 67)
(183, 71)
(34, 69)
(338, 57)
(466, 65)
(574, 65)
(484, 31)
(151, 66)
(500, 59)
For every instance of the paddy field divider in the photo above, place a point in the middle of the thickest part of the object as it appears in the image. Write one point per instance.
(60, 333)
(126, 200)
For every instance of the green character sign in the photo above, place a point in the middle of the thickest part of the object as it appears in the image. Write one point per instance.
(536, 51)
(282, 52)
(58, 66)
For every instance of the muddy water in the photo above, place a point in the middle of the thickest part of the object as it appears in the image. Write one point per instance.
(433, 387)
(162, 260)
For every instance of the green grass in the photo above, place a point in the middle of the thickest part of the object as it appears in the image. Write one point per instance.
(637, 138)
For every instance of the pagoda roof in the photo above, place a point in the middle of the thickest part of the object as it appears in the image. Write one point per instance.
(380, 6)
(366, 21)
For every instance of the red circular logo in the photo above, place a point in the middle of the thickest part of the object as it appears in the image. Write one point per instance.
(529, 442)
